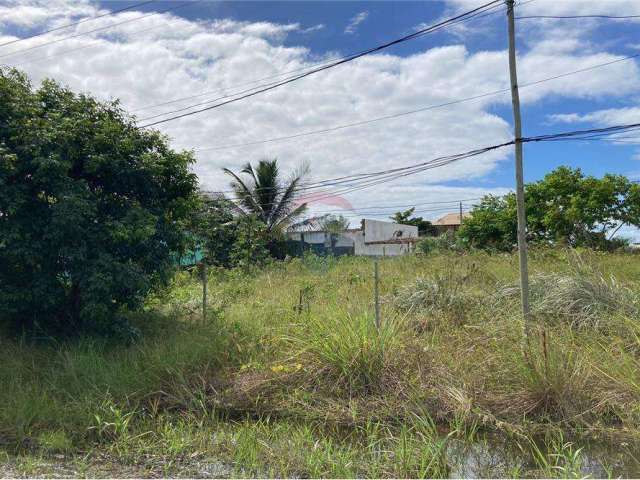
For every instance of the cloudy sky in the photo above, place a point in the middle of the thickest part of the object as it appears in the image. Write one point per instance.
(163, 56)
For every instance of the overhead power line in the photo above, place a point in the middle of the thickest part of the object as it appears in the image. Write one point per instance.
(356, 182)
(376, 178)
(611, 17)
(58, 40)
(270, 77)
(411, 112)
(84, 20)
(97, 42)
(349, 214)
(341, 61)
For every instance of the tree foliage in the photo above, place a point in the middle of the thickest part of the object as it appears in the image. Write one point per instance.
(264, 195)
(225, 238)
(251, 246)
(334, 225)
(213, 228)
(565, 207)
(91, 208)
(425, 227)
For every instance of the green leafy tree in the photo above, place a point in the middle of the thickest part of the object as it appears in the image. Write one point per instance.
(92, 209)
(266, 196)
(565, 207)
(334, 225)
(492, 224)
(213, 227)
(425, 227)
(250, 248)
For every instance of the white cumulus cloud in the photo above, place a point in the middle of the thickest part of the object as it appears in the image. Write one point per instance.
(164, 57)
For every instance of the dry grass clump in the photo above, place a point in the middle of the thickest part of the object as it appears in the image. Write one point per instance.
(584, 297)
(553, 379)
(449, 294)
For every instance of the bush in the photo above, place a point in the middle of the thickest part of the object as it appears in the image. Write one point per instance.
(91, 210)
(442, 294)
(442, 243)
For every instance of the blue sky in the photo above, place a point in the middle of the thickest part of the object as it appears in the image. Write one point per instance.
(211, 46)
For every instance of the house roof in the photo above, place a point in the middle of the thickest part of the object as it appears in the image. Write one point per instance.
(451, 219)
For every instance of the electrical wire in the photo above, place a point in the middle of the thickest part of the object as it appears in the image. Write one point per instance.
(611, 17)
(411, 112)
(97, 42)
(58, 40)
(351, 183)
(270, 77)
(84, 20)
(341, 61)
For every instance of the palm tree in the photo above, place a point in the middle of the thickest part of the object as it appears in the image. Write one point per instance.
(266, 196)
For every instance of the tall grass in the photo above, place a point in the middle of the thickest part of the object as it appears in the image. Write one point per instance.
(276, 386)
(584, 296)
(64, 387)
(350, 350)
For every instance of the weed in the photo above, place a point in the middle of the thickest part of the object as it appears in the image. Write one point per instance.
(350, 350)
(345, 399)
(554, 378)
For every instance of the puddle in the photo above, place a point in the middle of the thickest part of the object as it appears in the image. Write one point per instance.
(492, 457)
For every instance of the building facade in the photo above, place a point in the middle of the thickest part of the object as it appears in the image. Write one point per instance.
(373, 238)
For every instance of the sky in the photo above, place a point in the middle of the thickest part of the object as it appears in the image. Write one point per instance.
(163, 51)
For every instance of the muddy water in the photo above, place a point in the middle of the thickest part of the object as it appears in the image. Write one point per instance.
(493, 457)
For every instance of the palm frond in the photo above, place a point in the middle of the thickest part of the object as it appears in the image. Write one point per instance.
(267, 186)
(245, 197)
(285, 202)
(289, 218)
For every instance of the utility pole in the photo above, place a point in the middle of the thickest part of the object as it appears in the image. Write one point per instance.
(460, 213)
(522, 219)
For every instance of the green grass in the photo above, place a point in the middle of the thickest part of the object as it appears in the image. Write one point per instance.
(291, 377)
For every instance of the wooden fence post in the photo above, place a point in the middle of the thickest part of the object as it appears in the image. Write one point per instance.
(376, 292)
(204, 292)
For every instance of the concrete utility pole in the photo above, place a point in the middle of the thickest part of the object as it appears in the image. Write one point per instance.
(460, 213)
(522, 219)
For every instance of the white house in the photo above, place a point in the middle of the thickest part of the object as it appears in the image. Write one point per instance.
(373, 238)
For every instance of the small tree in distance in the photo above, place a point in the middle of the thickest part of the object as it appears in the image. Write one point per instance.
(334, 226)
(425, 227)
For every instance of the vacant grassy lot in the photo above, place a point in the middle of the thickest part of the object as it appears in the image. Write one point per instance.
(291, 377)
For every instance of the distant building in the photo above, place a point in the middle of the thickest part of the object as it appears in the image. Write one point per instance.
(450, 222)
(373, 238)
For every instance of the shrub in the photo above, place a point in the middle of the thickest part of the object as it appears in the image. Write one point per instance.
(91, 210)
(442, 243)
(445, 294)
(553, 377)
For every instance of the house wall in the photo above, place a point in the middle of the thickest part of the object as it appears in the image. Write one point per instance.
(361, 247)
(355, 242)
(319, 243)
(376, 231)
